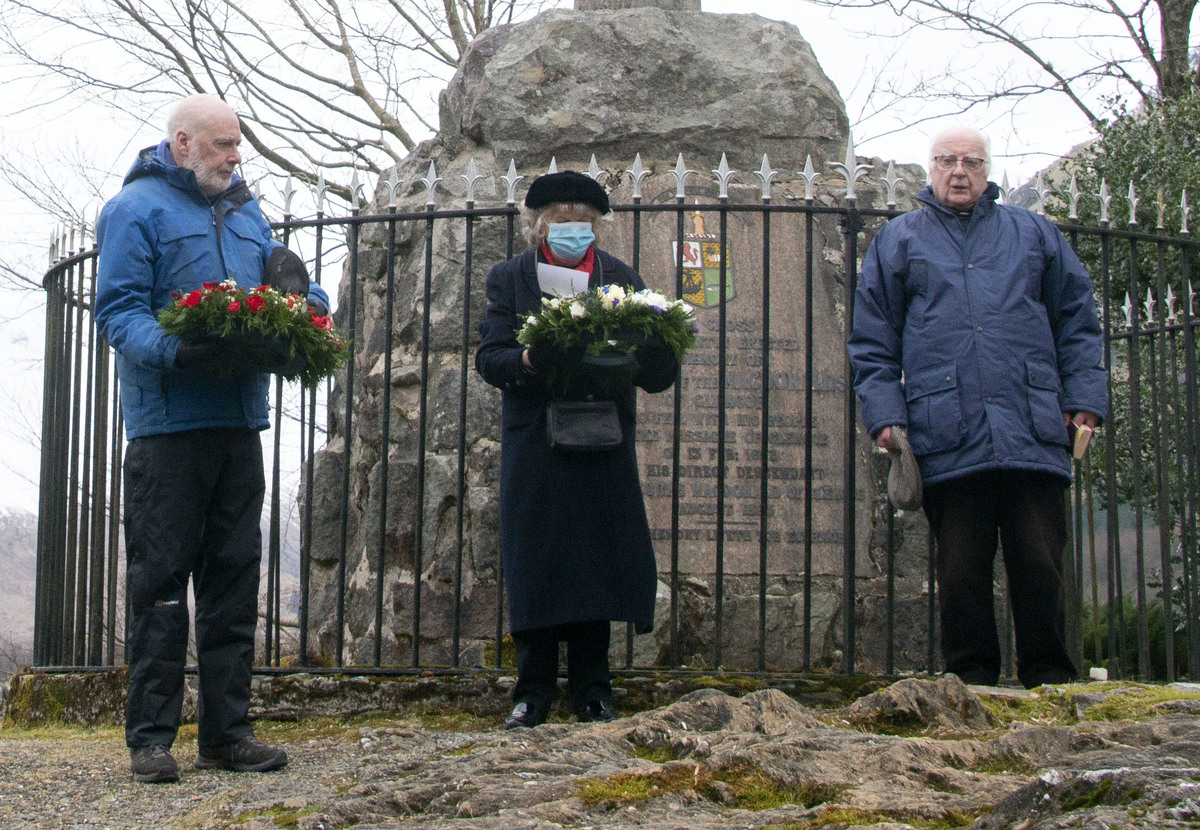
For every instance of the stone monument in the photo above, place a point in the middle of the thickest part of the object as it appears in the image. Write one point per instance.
(612, 5)
(610, 80)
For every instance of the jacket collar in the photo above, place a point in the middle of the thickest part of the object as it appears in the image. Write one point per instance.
(158, 161)
(986, 203)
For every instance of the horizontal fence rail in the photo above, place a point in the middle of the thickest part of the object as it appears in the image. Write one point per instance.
(765, 499)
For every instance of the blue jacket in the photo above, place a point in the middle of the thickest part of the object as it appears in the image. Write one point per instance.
(976, 335)
(160, 234)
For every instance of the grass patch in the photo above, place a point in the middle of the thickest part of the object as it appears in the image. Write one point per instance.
(734, 684)
(1048, 709)
(60, 732)
(309, 729)
(753, 789)
(450, 719)
(1003, 765)
(658, 755)
(280, 816)
(1132, 701)
(839, 817)
(746, 786)
(633, 787)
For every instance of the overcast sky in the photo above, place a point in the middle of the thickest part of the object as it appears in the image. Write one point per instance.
(853, 47)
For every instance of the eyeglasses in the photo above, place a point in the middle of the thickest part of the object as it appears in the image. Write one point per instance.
(971, 163)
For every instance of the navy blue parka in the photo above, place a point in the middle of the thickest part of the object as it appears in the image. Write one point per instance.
(977, 335)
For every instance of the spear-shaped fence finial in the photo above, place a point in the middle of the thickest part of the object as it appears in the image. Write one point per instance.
(680, 173)
(637, 172)
(431, 182)
(765, 174)
(850, 169)
(393, 185)
(809, 174)
(510, 182)
(471, 177)
(723, 174)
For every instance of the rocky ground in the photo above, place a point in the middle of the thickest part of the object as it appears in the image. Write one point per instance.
(917, 754)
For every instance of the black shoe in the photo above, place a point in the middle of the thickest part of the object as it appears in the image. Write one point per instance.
(153, 765)
(597, 711)
(245, 755)
(525, 716)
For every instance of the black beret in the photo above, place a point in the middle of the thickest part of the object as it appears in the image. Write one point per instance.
(567, 186)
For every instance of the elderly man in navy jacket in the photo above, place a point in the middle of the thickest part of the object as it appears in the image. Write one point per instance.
(975, 331)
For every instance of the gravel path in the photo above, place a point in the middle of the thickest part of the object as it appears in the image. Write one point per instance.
(82, 780)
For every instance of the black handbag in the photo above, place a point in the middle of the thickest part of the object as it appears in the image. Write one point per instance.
(586, 426)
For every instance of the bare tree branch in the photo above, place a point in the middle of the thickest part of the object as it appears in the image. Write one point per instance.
(318, 83)
(1089, 51)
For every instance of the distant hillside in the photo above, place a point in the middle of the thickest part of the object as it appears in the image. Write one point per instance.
(18, 578)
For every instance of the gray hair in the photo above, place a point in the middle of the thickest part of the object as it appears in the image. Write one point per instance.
(535, 222)
(960, 132)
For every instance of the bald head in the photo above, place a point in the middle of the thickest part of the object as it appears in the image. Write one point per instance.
(204, 134)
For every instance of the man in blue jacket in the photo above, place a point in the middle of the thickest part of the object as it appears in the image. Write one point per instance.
(193, 467)
(975, 331)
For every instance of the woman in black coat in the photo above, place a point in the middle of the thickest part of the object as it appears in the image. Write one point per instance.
(573, 531)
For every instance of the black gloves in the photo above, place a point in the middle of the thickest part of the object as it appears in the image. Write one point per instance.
(543, 356)
(199, 351)
(285, 271)
(658, 366)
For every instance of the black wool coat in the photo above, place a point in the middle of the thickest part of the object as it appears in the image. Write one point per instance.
(573, 531)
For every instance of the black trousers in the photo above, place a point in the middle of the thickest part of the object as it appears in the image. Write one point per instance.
(1025, 511)
(587, 664)
(193, 501)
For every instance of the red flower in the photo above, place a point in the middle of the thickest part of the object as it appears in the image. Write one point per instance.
(234, 307)
(321, 322)
(255, 303)
(191, 300)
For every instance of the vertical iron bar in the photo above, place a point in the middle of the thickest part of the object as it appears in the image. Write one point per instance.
(676, 450)
(114, 515)
(385, 430)
(510, 233)
(851, 230)
(422, 428)
(722, 418)
(468, 255)
(351, 318)
(1189, 433)
(764, 443)
(98, 378)
(808, 431)
(1113, 533)
(1135, 423)
(1159, 394)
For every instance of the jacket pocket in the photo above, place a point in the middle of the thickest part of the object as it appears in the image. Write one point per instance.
(935, 421)
(1045, 402)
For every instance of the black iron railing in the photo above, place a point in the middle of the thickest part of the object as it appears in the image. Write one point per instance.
(776, 370)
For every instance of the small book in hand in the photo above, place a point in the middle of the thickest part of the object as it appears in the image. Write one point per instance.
(1081, 434)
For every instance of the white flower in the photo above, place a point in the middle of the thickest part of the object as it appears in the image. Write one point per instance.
(578, 309)
(531, 320)
(614, 293)
(651, 298)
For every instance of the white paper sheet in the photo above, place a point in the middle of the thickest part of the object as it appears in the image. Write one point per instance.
(561, 282)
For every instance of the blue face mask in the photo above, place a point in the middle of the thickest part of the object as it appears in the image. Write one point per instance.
(570, 240)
